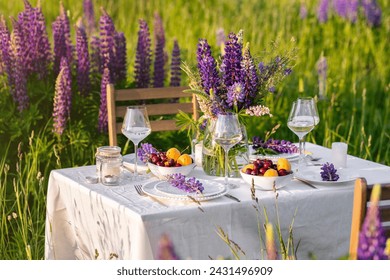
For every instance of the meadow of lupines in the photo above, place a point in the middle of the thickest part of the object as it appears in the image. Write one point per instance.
(52, 93)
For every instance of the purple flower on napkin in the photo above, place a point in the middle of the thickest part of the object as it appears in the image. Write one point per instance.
(189, 185)
(273, 145)
(329, 173)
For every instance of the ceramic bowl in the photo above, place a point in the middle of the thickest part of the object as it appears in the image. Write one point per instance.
(162, 171)
(266, 183)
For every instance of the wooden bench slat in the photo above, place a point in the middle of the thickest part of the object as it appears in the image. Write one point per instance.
(159, 109)
(160, 125)
(151, 93)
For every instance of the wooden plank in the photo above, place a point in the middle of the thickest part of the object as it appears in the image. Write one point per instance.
(359, 205)
(160, 125)
(112, 132)
(150, 93)
(385, 191)
(160, 109)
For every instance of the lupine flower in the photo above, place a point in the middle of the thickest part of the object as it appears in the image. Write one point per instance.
(347, 9)
(322, 11)
(235, 95)
(166, 251)
(249, 77)
(83, 65)
(2, 66)
(372, 239)
(221, 38)
(209, 80)
(236, 85)
(275, 145)
(143, 59)
(37, 52)
(5, 48)
(158, 77)
(340, 6)
(145, 151)
(231, 62)
(62, 98)
(372, 12)
(303, 11)
(62, 42)
(271, 72)
(329, 172)
(19, 75)
(89, 16)
(189, 185)
(207, 67)
(322, 68)
(120, 62)
(95, 56)
(175, 65)
(107, 43)
(103, 119)
(258, 111)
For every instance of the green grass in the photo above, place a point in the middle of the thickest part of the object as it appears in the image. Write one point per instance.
(356, 107)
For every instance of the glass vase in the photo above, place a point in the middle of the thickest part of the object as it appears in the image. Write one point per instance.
(213, 155)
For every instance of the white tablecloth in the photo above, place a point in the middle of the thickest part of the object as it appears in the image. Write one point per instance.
(92, 221)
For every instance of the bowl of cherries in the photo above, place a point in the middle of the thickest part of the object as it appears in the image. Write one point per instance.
(265, 173)
(162, 164)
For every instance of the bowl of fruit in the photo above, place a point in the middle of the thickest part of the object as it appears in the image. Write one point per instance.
(162, 164)
(265, 173)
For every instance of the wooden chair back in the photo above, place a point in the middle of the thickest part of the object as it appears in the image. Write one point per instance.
(159, 102)
(361, 200)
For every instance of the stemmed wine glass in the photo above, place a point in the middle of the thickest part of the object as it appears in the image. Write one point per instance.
(227, 133)
(301, 121)
(136, 127)
(314, 112)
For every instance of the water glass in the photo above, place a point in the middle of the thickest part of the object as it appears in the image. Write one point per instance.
(339, 154)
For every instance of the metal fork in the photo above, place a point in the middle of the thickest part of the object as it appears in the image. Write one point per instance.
(140, 191)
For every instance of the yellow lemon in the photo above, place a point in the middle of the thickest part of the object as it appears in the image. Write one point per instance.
(271, 173)
(283, 163)
(248, 166)
(184, 159)
(173, 153)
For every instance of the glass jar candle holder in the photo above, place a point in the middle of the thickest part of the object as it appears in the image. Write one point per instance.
(109, 165)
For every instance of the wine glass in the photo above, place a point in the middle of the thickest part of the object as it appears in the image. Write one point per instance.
(314, 111)
(301, 121)
(136, 127)
(227, 133)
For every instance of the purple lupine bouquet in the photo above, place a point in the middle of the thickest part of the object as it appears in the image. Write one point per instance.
(237, 82)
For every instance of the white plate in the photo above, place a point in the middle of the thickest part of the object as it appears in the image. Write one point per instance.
(151, 189)
(210, 189)
(129, 160)
(312, 174)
